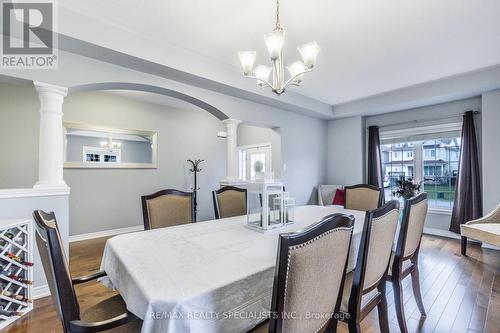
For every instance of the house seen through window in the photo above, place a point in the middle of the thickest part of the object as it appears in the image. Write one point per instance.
(431, 162)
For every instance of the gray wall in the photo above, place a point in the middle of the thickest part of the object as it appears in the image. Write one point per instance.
(109, 199)
(345, 151)
(131, 151)
(103, 199)
(249, 135)
(19, 130)
(491, 149)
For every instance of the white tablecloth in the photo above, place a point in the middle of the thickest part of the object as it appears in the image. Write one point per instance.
(214, 276)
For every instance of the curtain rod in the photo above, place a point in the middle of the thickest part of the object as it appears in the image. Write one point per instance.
(416, 121)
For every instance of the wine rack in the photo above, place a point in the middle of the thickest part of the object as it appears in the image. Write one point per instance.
(16, 271)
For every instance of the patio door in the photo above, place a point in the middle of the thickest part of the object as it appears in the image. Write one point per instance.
(249, 156)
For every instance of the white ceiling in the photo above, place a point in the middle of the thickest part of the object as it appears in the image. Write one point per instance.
(368, 47)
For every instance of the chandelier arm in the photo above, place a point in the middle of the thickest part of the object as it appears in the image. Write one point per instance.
(293, 77)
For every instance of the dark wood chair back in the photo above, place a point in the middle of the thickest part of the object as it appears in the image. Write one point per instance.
(56, 268)
(229, 201)
(410, 232)
(167, 208)
(362, 197)
(309, 275)
(374, 253)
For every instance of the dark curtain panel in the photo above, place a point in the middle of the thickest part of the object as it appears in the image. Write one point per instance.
(468, 204)
(374, 159)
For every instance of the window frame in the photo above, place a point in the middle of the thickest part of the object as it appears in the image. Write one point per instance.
(398, 137)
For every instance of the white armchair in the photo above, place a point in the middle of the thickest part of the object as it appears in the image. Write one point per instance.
(326, 194)
(485, 229)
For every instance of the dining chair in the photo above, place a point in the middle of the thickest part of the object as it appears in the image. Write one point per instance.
(485, 229)
(404, 261)
(167, 208)
(110, 315)
(309, 277)
(229, 201)
(362, 197)
(364, 289)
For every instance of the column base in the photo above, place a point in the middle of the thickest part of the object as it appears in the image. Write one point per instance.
(61, 186)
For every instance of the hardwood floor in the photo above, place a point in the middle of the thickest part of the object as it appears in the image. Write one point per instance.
(461, 294)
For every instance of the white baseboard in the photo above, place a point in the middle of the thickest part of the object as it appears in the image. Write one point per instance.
(441, 232)
(449, 234)
(41, 291)
(105, 233)
(489, 246)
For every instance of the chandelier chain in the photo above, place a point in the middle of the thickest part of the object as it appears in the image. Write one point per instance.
(278, 25)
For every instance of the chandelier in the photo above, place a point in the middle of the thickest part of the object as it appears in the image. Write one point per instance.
(274, 43)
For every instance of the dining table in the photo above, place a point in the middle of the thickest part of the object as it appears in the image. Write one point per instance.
(211, 276)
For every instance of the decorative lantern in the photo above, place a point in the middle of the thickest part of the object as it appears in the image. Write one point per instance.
(288, 208)
(265, 205)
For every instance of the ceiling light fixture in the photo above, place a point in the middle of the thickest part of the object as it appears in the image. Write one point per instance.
(274, 43)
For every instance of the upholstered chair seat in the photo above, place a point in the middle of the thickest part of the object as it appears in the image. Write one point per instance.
(365, 300)
(363, 197)
(406, 264)
(167, 208)
(229, 201)
(110, 308)
(485, 229)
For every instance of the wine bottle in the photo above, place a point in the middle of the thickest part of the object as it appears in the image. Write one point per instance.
(20, 298)
(11, 236)
(11, 270)
(9, 313)
(19, 259)
(20, 279)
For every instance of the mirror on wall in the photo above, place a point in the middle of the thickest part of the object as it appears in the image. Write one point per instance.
(88, 146)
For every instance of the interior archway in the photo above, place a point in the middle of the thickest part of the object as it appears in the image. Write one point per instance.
(152, 89)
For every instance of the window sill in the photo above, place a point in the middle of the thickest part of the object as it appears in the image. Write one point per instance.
(440, 211)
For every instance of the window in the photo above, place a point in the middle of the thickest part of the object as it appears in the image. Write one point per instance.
(429, 153)
(431, 162)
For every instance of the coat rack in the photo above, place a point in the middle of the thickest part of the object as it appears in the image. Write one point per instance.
(195, 169)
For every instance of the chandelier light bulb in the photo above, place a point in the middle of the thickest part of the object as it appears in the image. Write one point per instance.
(262, 73)
(309, 52)
(247, 60)
(274, 42)
(296, 70)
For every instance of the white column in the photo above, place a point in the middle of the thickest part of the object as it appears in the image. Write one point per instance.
(51, 144)
(232, 152)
